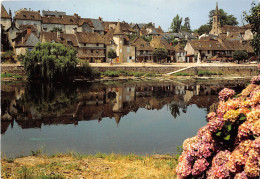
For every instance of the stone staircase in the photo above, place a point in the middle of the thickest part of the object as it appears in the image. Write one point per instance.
(180, 70)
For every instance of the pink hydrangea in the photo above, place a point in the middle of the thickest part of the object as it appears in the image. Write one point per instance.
(211, 116)
(200, 166)
(256, 80)
(226, 93)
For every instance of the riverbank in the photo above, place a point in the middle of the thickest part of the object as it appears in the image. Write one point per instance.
(75, 165)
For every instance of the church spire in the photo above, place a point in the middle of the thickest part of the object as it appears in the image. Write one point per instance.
(216, 11)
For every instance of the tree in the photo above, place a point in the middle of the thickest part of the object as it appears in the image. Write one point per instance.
(225, 19)
(204, 29)
(50, 61)
(149, 25)
(111, 53)
(239, 55)
(254, 20)
(176, 24)
(186, 26)
(160, 54)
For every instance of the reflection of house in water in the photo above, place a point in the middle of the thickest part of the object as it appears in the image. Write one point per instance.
(113, 101)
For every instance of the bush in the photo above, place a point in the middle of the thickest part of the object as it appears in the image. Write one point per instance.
(111, 73)
(86, 71)
(8, 54)
(138, 74)
(208, 73)
(150, 74)
(229, 145)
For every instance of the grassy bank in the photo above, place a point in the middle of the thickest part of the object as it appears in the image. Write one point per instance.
(74, 165)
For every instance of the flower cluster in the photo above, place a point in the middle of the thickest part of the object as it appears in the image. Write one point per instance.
(256, 80)
(226, 93)
(229, 145)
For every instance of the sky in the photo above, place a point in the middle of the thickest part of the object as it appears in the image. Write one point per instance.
(160, 12)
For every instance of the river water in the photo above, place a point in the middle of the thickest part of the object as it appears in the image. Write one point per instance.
(141, 117)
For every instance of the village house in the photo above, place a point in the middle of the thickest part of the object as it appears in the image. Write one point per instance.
(118, 41)
(98, 27)
(222, 50)
(143, 50)
(59, 37)
(28, 17)
(26, 40)
(160, 42)
(91, 47)
(126, 28)
(180, 54)
(85, 25)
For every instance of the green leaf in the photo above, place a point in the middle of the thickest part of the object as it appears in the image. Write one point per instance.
(242, 117)
(229, 127)
(218, 133)
(227, 137)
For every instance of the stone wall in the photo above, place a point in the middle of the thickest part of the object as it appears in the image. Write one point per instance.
(227, 70)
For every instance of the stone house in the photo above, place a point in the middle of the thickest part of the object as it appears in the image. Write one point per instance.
(180, 54)
(28, 17)
(98, 27)
(160, 42)
(65, 23)
(91, 46)
(212, 49)
(25, 40)
(126, 28)
(6, 19)
(59, 37)
(85, 25)
(119, 41)
(143, 50)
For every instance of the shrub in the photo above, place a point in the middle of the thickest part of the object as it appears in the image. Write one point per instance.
(229, 145)
(206, 73)
(111, 73)
(150, 74)
(138, 74)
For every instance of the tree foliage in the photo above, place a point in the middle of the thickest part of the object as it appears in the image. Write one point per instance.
(186, 26)
(225, 18)
(111, 53)
(160, 54)
(204, 29)
(239, 55)
(254, 20)
(176, 24)
(149, 25)
(50, 61)
(56, 29)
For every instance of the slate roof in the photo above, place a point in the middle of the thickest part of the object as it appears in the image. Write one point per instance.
(178, 48)
(26, 40)
(64, 38)
(124, 26)
(27, 15)
(108, 37)
(89, 37)
(143, 32)
(97, 24)
(159, 30)
(4, 13)
(229, 28)
(66, 20)
(53, 13)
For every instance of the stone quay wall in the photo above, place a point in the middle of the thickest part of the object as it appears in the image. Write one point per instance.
(226, 70)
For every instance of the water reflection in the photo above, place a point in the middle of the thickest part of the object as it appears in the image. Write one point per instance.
(34, 105)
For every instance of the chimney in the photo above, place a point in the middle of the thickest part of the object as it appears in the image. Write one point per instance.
(58, 34)
(10, 12)
(29, 30)
(100, 18)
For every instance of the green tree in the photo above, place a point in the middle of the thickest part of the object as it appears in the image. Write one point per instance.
(149, 25)
(225, 19)
(186, 26)
(111, 54)
(50, 61)
(176, 24)
(254, 20)
(239, 55)
(160, 54)
(204, 29)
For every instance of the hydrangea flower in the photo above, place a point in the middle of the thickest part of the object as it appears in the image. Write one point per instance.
(200, 166)
(231, 115)
(256, 80)
(226, 93)
(211, 116)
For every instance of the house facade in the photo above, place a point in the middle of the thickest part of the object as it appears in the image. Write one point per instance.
(6, 19)
(143, 50)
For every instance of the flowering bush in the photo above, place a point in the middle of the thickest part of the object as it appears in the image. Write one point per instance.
(229, 145)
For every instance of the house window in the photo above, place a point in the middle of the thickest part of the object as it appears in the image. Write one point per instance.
(97, 44)
(69, 42)
(91, 51)
(208, 52)
(24, 15)
(130, 57)
(96, 51)
(84, 44)
(71, 20)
